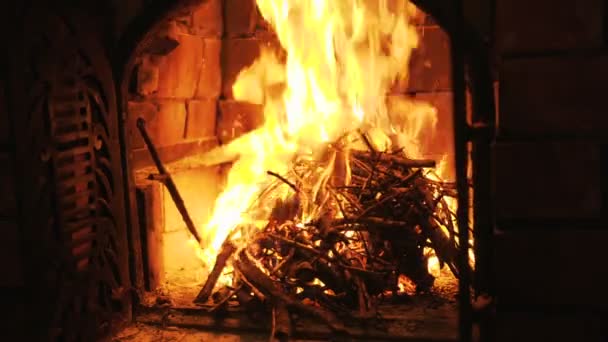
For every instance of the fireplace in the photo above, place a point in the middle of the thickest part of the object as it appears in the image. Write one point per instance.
(119, 226)
(193, 89)
(73, 249)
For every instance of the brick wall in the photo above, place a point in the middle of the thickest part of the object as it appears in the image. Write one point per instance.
(184, 86)
(245, 35)
(177, 85)
(183, 83)
(246, 32)
(550, 169)
(430, 81)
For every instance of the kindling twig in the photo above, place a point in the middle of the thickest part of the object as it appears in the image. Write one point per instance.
(341, 242)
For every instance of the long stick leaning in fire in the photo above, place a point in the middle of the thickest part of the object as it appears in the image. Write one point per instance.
(166, 179)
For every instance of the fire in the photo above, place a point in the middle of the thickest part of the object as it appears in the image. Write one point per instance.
(406, 286)
(342, 57)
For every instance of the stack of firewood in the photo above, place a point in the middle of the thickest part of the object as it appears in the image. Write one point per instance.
(352, 222)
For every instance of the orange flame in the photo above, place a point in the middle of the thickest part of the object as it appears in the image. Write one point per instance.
(342, 58)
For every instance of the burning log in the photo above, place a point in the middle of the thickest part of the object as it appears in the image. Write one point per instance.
(226, 252)
(303, 271)
(393, 158)
(328, 234)
(265, 285)
(244, 296)
(370, 221)
(220, 298)
(341, 238)
(446, 250)
(281, 323)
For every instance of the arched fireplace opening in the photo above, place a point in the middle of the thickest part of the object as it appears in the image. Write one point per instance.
(107, 240)
(180, 80)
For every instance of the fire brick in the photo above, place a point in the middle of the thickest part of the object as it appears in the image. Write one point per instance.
(184, 21)
(430, 63)
(240, 18)
(149, 200)
(210, 79)
(201, 119)
(237, 54)
(543, 266)
(180, 70)
(442, 138)
(532, 26)
(169, 123)
(547, 181)
(141, 157)
(207, 19)
(147, 75)
(237, 118)
(554, 96)
(165, 122)
(8, 204)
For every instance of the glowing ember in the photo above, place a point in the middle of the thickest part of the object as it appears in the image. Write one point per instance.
(406, 286)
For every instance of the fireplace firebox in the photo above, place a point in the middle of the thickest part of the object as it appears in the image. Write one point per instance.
(384, 220)
(184, 85)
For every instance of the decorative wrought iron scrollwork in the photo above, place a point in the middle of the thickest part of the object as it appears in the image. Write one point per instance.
(72, 178)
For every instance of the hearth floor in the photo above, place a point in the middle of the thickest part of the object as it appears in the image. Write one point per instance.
(420, 318)
(171, 316)
(181, 294)
(140, 332)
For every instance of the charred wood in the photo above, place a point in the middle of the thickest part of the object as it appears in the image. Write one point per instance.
(281, 322)
(226, 252)
(266, 285)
